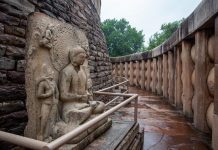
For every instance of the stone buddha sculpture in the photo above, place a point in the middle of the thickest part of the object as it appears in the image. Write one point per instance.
(58, 86)
(74, 94)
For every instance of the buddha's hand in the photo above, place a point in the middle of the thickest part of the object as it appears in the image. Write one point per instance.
(93, 104)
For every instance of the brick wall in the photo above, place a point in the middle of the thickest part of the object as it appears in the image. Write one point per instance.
(13, 22)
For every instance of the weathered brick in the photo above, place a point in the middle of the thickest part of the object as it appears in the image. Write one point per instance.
(10, 20)
(21, 65)
(2, 50)
(12, 92)
(3, 78)
(6, 63)
(16, 77)
(1, 28)
(10, 107)
(15, 52)
(15, 31)
(25, 6)
(12, 40)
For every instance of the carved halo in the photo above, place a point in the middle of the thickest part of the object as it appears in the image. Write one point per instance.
(66, 38)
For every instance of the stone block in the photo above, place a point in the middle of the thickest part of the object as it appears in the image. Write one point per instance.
(3, 78)
(21, 65)
(16, 77)
(13, 120)
(10, 107)
(7, 64)
(2, 50)
(23, 5)
(15, 52)
(88, 139)
(10, 20)
(15, 31)
(12, 92)
(12, 40)
(12, 11)
(1, 28)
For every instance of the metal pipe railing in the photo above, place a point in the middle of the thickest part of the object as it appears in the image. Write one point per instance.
(108, 88)
(116, 98)
(36, 144)
(22, 141)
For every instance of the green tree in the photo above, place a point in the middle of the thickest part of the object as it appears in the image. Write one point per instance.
(122, 39)
(167, 30)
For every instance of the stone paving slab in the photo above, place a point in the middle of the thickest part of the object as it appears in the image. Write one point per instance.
(165, 128)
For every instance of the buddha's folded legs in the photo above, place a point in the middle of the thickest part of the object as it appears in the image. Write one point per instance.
(76, 116)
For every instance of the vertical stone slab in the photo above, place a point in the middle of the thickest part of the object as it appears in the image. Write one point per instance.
(201, 73)
(131, 73)
(216, 70)
(137, 73)
(115, 70)
(121, 69)
(142, 72)
(126, 70)
(215, 121)
(157, 87)
(170, 77)
(159, 82)
(154, 75)
(134, 74)
(178, 80)
(148, 74)
(151, 83)
(165, 76)
(187, 69)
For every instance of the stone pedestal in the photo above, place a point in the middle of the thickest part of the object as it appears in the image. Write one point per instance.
(90, 135)
(122, 135)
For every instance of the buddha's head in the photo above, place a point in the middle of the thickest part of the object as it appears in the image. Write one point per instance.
(77, 56)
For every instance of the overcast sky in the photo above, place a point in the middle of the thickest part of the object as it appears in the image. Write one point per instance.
(147, 15)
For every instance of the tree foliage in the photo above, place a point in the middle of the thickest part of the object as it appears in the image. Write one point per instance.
(122, 39)
(158, 38)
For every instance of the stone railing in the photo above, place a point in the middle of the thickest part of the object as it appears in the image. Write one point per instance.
(183, 69)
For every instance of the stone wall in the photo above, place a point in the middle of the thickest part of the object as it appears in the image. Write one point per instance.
(13, 22)
(183, 69)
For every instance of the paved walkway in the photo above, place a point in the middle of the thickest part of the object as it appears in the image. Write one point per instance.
(164, 127)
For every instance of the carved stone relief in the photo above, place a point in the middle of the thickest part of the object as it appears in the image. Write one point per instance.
(58, 86)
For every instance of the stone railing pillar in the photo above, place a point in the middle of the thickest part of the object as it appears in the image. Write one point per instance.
(115, 69)
(137, 73)
(159, 76)
(215, 118)
(154, 85)
(187, 69)
(170, 77)
(201, 73)
(131, 73)
(178, 80)
(148, 82)
(126, 70)
(165, 76)
(142, 72)
(121, 69)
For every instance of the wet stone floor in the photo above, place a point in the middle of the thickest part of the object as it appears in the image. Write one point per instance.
(165, 128)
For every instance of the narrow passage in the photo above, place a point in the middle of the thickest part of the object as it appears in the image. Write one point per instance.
(164, 126)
